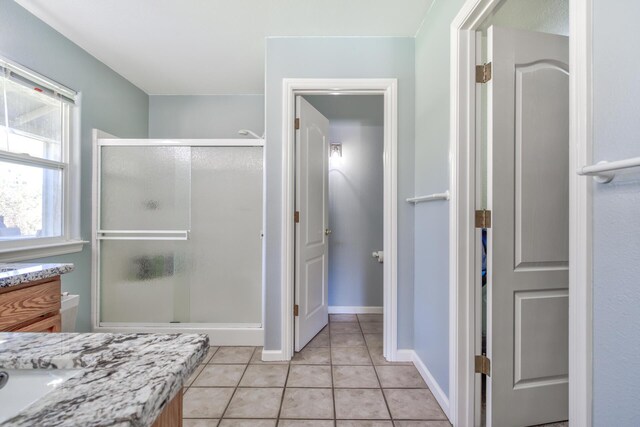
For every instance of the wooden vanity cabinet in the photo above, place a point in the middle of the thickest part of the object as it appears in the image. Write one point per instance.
(31, 307)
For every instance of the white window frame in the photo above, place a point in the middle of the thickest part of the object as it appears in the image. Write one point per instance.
(69, 241)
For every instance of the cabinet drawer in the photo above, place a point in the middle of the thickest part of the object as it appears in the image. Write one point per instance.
(29, 303)
(48, 324)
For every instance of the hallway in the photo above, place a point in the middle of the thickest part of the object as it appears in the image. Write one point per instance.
(339, 379)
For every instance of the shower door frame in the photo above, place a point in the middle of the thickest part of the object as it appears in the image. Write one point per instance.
(219, 333)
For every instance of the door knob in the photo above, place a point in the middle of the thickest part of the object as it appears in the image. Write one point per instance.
(327, 231)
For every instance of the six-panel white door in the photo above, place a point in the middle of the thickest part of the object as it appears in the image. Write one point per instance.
(311, 264)
(528, 193)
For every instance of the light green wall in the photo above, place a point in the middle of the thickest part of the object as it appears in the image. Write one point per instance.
(431, 287)
(109, 103)
(338, 57)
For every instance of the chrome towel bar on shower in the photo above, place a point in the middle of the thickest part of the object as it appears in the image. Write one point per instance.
(429, 198)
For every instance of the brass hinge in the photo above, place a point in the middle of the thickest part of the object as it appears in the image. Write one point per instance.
(297, 123)
(483, 219)
(483, 73)
(296, 217)
(483, 365)
(295, 310)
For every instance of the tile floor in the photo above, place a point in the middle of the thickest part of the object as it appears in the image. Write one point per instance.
(339, 380)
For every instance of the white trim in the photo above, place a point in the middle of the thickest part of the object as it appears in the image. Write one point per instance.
(273, 356)
(41, 251)
(96, 135)
(405, 355)
(580, 216)
(341, 309)
(462, 171)
(228, 142)
(217, 335)
(461, 243)
(433, 385)
(388, 88)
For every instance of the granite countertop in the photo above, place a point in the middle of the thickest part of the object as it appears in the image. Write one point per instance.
(125, 379)
(18, 273)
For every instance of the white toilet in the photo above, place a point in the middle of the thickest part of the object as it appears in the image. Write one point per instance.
(69, 312)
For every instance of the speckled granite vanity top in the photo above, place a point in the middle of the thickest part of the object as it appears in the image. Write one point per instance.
(18, 273)
(126, 379)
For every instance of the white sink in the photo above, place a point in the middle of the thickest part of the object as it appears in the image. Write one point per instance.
(26, 386)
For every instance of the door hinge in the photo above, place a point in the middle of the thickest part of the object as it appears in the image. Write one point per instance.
(483, 73)
(483, 365)
(295, 310)
(483, 219)
(297, 123)
(296, 217)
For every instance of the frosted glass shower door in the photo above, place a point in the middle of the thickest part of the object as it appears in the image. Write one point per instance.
(179, 234)
(144, 222)
(226, 221)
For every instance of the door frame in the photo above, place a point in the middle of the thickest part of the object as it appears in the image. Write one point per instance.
(462, 180)
(389, 89)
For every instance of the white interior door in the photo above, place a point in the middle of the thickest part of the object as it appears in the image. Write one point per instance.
(528, 193)
(311, 264)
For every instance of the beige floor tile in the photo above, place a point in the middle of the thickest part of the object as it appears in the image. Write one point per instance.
(412, 404)
(378, 358)
(343, 318)
(364, 318)
(256, 359)
(193, 376)
(232, 355)
(209, 354)
(307, 403)
(360, 404)
(350, 356)
(347, 340)
(317, 376)
(205, 402)
(345, 328)
(312, 356)
(265, 376)
(219, 376)
(374, 340)
(254, 403)
(368, 423)
(422, 423)
(321, 340)
(355, 377)
(247, 423)
(400, 377)
(305, 423)
(372, 327)
(208, 422)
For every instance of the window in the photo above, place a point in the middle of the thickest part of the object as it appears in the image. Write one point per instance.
(37, 180)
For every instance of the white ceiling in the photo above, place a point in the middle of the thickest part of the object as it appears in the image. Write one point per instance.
(212, 46)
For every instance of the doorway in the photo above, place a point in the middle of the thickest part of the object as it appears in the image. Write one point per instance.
(517, 258)
(387, 90)
(339, 233)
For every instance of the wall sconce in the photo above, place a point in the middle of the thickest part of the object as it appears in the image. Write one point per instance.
(335, 149)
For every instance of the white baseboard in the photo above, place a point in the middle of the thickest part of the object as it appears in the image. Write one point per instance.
(404, 355)
(272, 356)
(441, 397)
(342, 309)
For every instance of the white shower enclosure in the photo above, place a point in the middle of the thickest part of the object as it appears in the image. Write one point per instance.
(177, 237)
